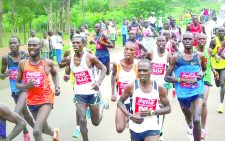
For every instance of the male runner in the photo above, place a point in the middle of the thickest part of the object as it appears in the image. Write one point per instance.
(188, 67)
(86, 87)
(123, 72)
(207, 79)
(139, 47)
(171, 45)
(34, 72)
(102, 42)
(11, 62)
(218, 63)
(196, 28)
(7, 114)
(175, 29)
(144, 120)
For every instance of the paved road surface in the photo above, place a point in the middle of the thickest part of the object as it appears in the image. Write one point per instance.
(63, 115)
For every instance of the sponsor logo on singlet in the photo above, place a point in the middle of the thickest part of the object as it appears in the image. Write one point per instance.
(121, 86)
(144, 104)
(12, 74)
(82, 77)
(158, 69)
(188, 75)
(36, 77)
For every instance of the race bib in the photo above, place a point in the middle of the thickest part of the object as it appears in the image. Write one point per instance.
(36, 77)
(121, 87)
(98, 46)
(188, 75)
(12, 74)
(158, 69)
(82, 77)
(144, 104)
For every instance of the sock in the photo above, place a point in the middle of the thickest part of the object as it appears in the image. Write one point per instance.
(203, 130)
(78, 127)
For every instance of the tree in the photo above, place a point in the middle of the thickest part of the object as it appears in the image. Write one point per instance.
(0, 23)
(67, 7)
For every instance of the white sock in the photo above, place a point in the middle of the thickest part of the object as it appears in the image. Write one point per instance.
(203, 130)
(78, 127)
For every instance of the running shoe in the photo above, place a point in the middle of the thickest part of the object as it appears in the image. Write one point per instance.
(26, 136)
(161, 138)
(203, 135)
(88, 113)
(56, 134)
(76, 133)
(104, 104)
(220, 109)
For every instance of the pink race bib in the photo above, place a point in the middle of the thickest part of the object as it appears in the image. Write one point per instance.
(158, 69)
(82, 77)
(187, 75)
(12, 74)
(36, 77)
(121, 87)
(144, 104)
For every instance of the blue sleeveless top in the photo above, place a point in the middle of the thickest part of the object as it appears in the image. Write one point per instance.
(188, 69)
(2, 129)
(13, 69)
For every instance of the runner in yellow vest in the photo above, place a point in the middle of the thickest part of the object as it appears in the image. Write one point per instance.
(218, 63)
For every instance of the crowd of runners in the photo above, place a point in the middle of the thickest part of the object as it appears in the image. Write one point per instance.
(156, 59)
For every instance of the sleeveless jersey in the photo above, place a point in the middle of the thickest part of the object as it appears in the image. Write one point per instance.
(195, 31)
(13, 70)
(169, 47)
(144, 101)
(188, 70)
(137, 51)
(123, 78)
(41, 93)
(84, 77)
(217, 64)
(176, 31)
(159, 65)
(207, 77)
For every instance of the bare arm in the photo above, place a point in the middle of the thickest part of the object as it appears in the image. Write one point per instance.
(164, 100)
(188, 28)
(203, 29)
(141, 46)
(4, 74)
(55, 77)
(100, 66)
(212, 45)
(20, 85)
(169, 73)
(113, 81)
(149, 55)
(14, 118)
(202, 59)
(174, 46)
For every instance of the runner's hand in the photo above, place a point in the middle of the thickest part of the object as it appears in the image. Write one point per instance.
(189, 81)
(113, 98)
(218, 58)
(216, 75)
(136, 118)
(57, 91)
(95, 86)
(4, 75)
(66, 78)
(30, 84)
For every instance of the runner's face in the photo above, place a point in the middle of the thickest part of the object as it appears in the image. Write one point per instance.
(201, 40)
(132, 35)
(166, 25)
(166, 35)
(221, 32)
(14, 45)
(97, 28)
(161, 42)
(129, 51)
(34, 47)
(188, 40)
(77, 45)
(144, 71)
(195, 19)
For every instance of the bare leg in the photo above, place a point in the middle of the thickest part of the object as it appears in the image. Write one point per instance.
(152, 138)
(81, 110)
(108, 68)
(188, 116)
(120, 121)
(96, 114)
(197, 109)
(222, 85)
(204, 107)
(41, 120)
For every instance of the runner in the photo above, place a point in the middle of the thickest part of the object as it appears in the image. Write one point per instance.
(171, 45)
(11, 62)
(207, 79)
(139, 47)
(143, 123)
(175, 29)
(102, 42)
(86, 88)
(188, 66)
(134, 26)
(34, 72)
(123, 73)
(195, 27)
(6, 114)
(218, 63)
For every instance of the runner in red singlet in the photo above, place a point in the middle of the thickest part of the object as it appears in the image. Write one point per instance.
(34, 72)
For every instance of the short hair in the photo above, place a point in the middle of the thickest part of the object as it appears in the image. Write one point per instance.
(35, 38)
(145, 61)
(16, 38)
(83, 41)
(201, 34)
(130, 43)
